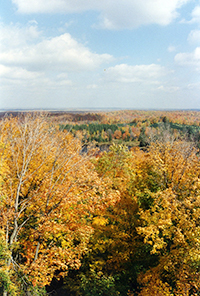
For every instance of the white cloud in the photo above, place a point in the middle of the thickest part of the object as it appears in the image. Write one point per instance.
(52, 6)
(169, 89)
(14, 36)
(194, 86)
(196, 15)
(4, 70)
(114, 14)
(194, 36)
(17, 73)
(64, 80)
(171, 48)
(135, 74)
(37, 68)
(61, 53)
(92, 86)
(133, 13)
(191, 59)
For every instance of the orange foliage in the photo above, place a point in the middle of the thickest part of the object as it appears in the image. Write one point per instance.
(49, 193)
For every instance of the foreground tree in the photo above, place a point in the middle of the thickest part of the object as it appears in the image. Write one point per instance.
(171, 226)
(150, 238)
(49, 194)
(118, 250)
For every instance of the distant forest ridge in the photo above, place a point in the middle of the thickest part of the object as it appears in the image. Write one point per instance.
(189, 117)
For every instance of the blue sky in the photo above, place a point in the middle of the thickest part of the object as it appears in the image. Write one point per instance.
(60, 54)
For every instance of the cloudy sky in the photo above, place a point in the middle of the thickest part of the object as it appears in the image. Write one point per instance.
(57, 54)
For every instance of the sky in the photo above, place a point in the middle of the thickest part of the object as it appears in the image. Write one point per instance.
(81, 54)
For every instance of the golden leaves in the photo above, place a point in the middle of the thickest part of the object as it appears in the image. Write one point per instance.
(153, 284)
(51, 192)
(171, 225)
(162, 187)
(101, 221)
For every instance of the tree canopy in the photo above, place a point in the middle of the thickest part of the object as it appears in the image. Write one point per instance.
(121, 222)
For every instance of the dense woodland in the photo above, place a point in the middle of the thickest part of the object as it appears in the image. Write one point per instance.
(80, 220)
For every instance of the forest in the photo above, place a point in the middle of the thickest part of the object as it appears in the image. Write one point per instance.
(119, 220)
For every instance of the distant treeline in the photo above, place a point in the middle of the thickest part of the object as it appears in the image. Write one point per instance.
(143, 132)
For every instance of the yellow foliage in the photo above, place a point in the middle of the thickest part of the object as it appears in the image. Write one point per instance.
(171, 225)
(101, 221)
(153, 285)
(51, 194)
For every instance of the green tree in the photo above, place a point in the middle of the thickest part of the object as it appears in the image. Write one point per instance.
(6, 285)
(143, 139)
(96, 283)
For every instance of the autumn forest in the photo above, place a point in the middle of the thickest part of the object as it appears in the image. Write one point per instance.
(100, 203)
